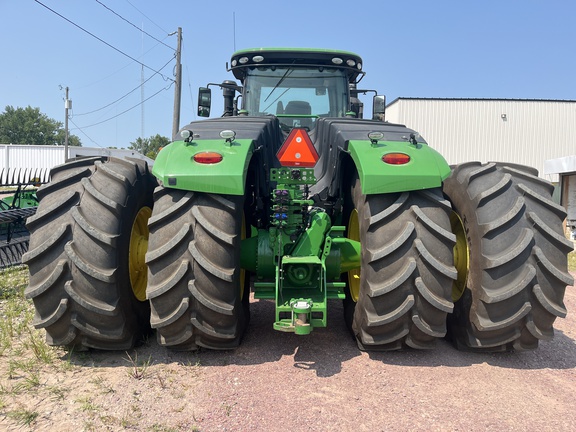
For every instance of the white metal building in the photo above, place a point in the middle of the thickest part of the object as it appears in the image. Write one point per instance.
(503, 130)
(565, 167)
(20, 163)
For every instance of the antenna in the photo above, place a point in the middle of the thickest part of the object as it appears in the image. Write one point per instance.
(178, 86)
(142, 87)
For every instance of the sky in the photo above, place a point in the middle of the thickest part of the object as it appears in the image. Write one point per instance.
(103, 50)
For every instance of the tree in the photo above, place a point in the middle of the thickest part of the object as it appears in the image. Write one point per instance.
(73, 140)
(149, 146)
(29, 126)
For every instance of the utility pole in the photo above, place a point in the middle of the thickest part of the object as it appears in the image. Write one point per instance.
(178, 86)
(67, 105)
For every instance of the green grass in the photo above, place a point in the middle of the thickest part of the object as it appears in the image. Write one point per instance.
(31, 371)
(87, 404)
(572, 261)
(23, 351)
(12, 282)
(16, 312)
(23, 417)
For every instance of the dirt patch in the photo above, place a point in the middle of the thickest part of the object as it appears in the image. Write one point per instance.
(277, 381)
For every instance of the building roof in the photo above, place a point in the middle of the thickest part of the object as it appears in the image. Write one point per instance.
(482, 99)
(561, 165)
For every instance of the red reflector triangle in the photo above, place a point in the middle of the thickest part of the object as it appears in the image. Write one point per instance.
(298, 150)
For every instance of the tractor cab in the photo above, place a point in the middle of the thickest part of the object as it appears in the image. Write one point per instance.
(298, 96)
(298, 86)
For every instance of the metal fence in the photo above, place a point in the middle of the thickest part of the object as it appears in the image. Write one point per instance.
(23, 176)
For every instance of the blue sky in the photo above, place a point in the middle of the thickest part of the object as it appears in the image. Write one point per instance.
(410, 48)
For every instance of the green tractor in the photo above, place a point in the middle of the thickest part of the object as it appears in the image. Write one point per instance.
(293, 196)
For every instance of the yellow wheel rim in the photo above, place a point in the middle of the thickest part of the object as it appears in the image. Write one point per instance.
(461, 256)
(137, 253)
(354, 275)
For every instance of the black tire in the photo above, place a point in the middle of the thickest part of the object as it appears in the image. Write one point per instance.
(48, 265)
(84, 297)
(406, 269)
(517, 271)
(194, 279)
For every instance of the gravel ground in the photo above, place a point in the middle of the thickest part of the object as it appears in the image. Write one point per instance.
(320, 382)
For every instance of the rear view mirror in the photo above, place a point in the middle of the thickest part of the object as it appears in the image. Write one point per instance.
(320, 91)
(204, 101)
(379, 107)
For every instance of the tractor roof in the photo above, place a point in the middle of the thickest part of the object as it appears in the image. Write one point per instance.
(296, 57)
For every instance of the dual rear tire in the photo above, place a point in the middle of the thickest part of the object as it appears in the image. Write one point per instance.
(486, 254)
(490, 259)
(197, 291)
(517, 272)
(85, 254)
(93, 265)
(401, 295)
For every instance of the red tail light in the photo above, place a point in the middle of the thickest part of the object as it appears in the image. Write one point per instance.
(396, 158)
(208, 158)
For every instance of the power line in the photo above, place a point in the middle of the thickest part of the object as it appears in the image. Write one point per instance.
(103, 41)
(133, 25)
(84, 133)
(131, 108)
(146, 16)
(122, 97)
(122, 68)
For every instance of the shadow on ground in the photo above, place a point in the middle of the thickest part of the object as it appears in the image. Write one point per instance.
(325, 350)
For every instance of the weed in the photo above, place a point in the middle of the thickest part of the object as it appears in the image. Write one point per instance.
(23, 365)
(109, 420)
(32, 380)
(74, 358)
(136, 410)
(23, 416)
(86, 404)
(196, 363)
(138, 369)
(89, 426)
(127, 422)
(58, 394)
(161, 428)
(41, 351)
(227, 408)
(68, 364)
(101, 383)
(162, 381)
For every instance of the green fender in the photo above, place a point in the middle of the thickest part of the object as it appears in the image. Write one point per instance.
(175, 166)
(426, 168)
